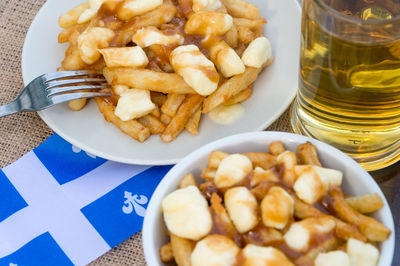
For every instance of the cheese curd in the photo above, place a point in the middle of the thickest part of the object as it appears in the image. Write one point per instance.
(186, 213)
(119, 89)
(242, 208)
(227, 114)
(197, 71)
(332, 258)
(362, 254)
(151, 35)
(91, 40)
(277, 208)
(232, 170)
(125, 57)
(288, 159)
(208, 23)
(133, 8)
(214, 250)
(256, 255)
(134, 103)
(257, 53)
(226, 59)
(329, 177)
(299, 234)
(208, 5)
(88, 14)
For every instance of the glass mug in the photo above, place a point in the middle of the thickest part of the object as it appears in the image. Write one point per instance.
(349, 88)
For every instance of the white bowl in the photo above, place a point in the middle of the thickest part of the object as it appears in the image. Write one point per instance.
(356, 181)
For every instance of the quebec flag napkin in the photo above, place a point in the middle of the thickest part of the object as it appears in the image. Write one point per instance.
(62, 206)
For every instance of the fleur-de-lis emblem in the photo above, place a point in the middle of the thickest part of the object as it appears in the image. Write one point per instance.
(12, 264)
(134, 203)
(78, 150)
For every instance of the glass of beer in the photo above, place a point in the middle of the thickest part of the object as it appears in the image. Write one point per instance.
(349, 87)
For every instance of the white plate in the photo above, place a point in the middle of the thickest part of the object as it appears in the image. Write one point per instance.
(87, 129)
(356, 181)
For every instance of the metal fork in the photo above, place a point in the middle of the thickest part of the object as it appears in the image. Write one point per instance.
(54, 88)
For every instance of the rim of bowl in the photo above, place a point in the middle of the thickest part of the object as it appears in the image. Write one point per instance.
(151, 254)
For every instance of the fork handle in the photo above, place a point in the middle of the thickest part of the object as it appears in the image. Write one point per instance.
(11, 108)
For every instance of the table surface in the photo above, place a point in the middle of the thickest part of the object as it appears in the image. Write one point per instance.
(23, 132)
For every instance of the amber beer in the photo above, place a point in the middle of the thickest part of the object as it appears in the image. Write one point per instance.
(349, 89)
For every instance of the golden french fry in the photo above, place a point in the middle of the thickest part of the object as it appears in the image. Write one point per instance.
(153, 123)
(147, 80)
(77, 105)
(187, 180)
(166, 119)
(166, 254)
(65, 35)
(262, 189)
(261, 159)
(229, 88)
(158, 98)
(192, 125)
(208, 173)
(344, 230)
(366, 203)
(178, 122)
(215, 158)
(232, 37)
(71, 17)
(156, 112)
(172, 104)
(158, 16)
(182, 249)
(132, 127)
(259, 176)
(242, 9)
(248, 23)
(307, 154)
(276, 148)
(221, 221)
(207, 189)
(372, 229)
(311, 255)
(266, 236)
(241, 96)
(72, 60)
(245, 35)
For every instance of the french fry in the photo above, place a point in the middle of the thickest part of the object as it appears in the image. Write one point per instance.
(242, 9)
(266, 236)
(166, 254)
(222, 223)
(344, 230)
(208, 173)
(153, 123)
(78, 104)
(232, 37)
(366, 203)
(178, 122)
(307, 154)
(245, 35)
(132, 127)
(72, 60)
(158, 16)
(215, 158)
(369, 227)
(156, 112)
(192, 125)
(207, 189)
(65, 35)
(182, 249)
(276, 148)
(248, 23)
(71, 17)
(172, 104)
(165, 119)
(230, 88)
(147, 80)
(261, 159)
(241, 96)
(260, 175)
(262, 189)
(188, 180)
(326, 246)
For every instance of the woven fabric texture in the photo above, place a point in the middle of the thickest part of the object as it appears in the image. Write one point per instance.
(23, 132)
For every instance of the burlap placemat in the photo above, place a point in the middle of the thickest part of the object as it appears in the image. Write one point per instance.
(23, 132)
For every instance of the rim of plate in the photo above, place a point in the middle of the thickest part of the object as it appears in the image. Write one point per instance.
(121, 159)
(163, 187)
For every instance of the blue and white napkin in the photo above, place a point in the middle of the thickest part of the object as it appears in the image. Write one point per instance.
(62, 206)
